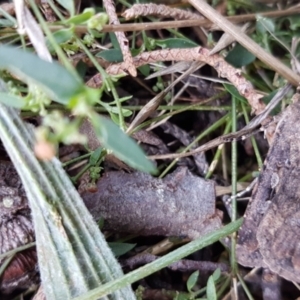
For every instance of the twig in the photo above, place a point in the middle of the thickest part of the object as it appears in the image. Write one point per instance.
(183, 265)
(180, 24)
(228, 138)
(245, 41)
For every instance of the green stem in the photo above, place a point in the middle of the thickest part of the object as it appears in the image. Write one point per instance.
(203, 134)
(218, 154)
(253, 141)
(161, 263)
(246, 290)
(234, 185)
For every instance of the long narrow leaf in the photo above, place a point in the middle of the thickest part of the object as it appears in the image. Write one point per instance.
(73, 255)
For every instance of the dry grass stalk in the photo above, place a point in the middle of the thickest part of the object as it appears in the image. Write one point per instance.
(207, 24)
(158, 10)
(224, 70)
(123, 41)
(267, 58)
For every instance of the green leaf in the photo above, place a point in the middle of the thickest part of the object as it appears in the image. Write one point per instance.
(58, 83)
(12, 100)
(114, 40)
(216, 275)
(113, 138)
(119, 249)
(112, 55)
(81, 18)
(175, 43)
(239, 56)
(211, 289)
(294, 22)
(145, 70)
(68, 5)
(115, 110)
(94, 158)
(264, 25)
(115, 118)
(115, 55)
(75, 246)
(192, 280)
(61, 36)
(234, 92)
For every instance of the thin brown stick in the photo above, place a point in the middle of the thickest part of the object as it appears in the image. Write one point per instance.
(158, 10)
(179, 24)
(228, 138)
(246, 41)
(123, 41)
(183, 265)
(193, 54)
(242, 134)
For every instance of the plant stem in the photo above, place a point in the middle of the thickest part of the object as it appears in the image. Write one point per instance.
(162, 262)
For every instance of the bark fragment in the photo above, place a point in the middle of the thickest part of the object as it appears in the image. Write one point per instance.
(180, 204)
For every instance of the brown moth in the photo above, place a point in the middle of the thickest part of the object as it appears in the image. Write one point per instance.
(270, 235)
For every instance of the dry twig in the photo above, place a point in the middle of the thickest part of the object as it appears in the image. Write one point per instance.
(81, 29)
(183, 265)
(246, 41)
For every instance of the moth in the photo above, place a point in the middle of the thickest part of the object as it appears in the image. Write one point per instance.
(270, 234)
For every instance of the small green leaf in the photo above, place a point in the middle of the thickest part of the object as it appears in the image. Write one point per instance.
(175, 43)
(113, 138)
(264, 25)
(115, 118)
(81, 18)
(112, 55)
(61, 36)
(216, 274)
(145, 70)
(114, 40)
(57, 82)
(239, 56)
(68, 5)
(211, 289)
(125, 112)
(115, 110)
(120, 248)
(12, 100)
(115, 55)
(294, 22)
(192, 280)
(234, 92)
(94, 158)
(98, 21)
